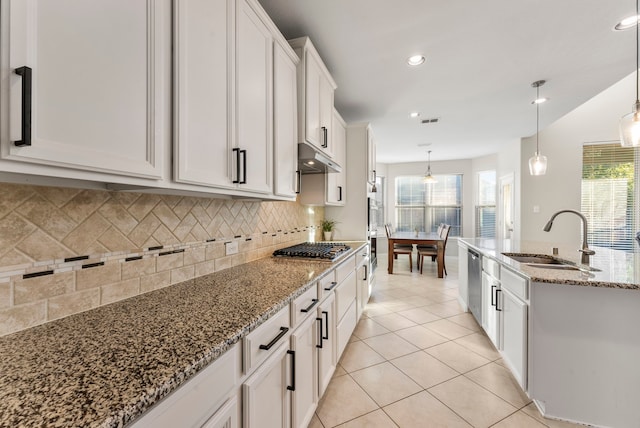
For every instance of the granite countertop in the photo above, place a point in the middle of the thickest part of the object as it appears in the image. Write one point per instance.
(105, 367)
(617, 269)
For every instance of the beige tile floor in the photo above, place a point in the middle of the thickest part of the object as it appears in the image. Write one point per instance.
(417, 360)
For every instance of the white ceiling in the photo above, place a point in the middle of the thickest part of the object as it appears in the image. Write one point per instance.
(482, 56)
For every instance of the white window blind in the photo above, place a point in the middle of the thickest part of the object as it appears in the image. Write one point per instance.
(486, 208)
(610, 195)
(424, 206)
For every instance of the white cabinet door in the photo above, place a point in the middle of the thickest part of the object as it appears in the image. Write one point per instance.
(254, 95)
(490, 307)
(203, 45)
(265, 397)
(371, 157)
(327, 348)
(514, 336)
(285, 130)
(336, 182)
(326, 115)
(312, 77)
(225, 417)
(99, 84)
(304, 396)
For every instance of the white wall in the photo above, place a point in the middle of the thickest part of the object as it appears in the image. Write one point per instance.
(561, 142)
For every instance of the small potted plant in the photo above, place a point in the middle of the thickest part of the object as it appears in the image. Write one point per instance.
(327, 228)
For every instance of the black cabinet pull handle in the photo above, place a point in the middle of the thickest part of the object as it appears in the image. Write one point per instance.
(326, 316)
(237, 153)
(497, 300)
(243, 153)
(340, 193)
(298, 181)
(333, 284)
(308, 308)
(325, 132)
(283, 331)
(320, 331)
(25, 73)
(292, 387)
(493, 287)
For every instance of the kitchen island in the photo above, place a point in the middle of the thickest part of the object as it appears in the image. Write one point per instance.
(570, 336)
(107, 366)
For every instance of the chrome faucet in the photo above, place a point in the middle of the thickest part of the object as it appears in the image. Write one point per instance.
(586, 252)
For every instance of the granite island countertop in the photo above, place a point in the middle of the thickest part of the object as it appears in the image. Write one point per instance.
(615, 269)
(107, 366)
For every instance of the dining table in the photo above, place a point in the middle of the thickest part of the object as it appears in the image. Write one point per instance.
(419, 238)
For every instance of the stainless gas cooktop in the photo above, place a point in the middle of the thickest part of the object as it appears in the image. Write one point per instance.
(314, 250)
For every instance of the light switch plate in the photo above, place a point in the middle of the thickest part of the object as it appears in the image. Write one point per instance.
(231, 248)
(536, 209)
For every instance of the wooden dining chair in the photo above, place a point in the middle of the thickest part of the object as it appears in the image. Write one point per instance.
(433, 252)
(400, 248)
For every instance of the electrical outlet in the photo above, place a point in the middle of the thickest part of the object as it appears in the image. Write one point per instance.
(231, 248)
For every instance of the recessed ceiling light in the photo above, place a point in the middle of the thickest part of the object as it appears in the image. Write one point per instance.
(414, 114)
(626, 23)
(539, 100)
(415, 60)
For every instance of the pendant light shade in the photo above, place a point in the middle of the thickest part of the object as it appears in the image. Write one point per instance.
(538, 162)
(428, 178)
(630, 123)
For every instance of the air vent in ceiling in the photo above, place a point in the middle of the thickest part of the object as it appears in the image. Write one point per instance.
(432, 120)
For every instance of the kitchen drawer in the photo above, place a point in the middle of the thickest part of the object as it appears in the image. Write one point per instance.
(303, 305)
(259, 344)
(345, 268)
(346, 327)
(516, 284)
(491, 267)
(362, 255)
(346, 294)
(326, 285)
(198, 399)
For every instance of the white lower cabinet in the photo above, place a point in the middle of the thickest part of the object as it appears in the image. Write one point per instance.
(226, 416)
(491, 308)
(514, 335)
(327, 343)
(265, 394)
(346, 326)
(304, 391)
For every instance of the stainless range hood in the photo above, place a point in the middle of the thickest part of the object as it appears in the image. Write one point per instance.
(311, 161)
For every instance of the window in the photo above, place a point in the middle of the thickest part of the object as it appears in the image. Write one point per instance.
(609, 197)
(486, 208)
(424, 206)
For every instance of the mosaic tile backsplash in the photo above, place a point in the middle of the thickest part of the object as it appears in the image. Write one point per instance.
(64, 251)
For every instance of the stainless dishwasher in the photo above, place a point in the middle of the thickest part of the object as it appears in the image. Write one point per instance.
(474, 265)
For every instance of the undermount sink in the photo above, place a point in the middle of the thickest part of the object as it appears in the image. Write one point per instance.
(543, 261)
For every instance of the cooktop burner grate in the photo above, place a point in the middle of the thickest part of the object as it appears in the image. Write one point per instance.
(314, 250)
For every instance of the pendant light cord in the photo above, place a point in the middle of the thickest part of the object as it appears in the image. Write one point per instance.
(538, 116)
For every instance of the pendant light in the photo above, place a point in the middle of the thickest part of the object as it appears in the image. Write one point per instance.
(538, 163)
(428, 178)
(630, 123)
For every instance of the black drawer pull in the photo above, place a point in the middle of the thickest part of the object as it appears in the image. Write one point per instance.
(339, 193)
(292, 387)
(497, 300)
(237, 152)
(25, 73)
(321, 337)
(283, 331)
(333, 284)
(308, 308)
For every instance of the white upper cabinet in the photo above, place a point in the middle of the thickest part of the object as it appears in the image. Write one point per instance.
(202, 96)
(285, 116)
(214, 147)
(315, 97)
(85, 84)
(336, 193)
